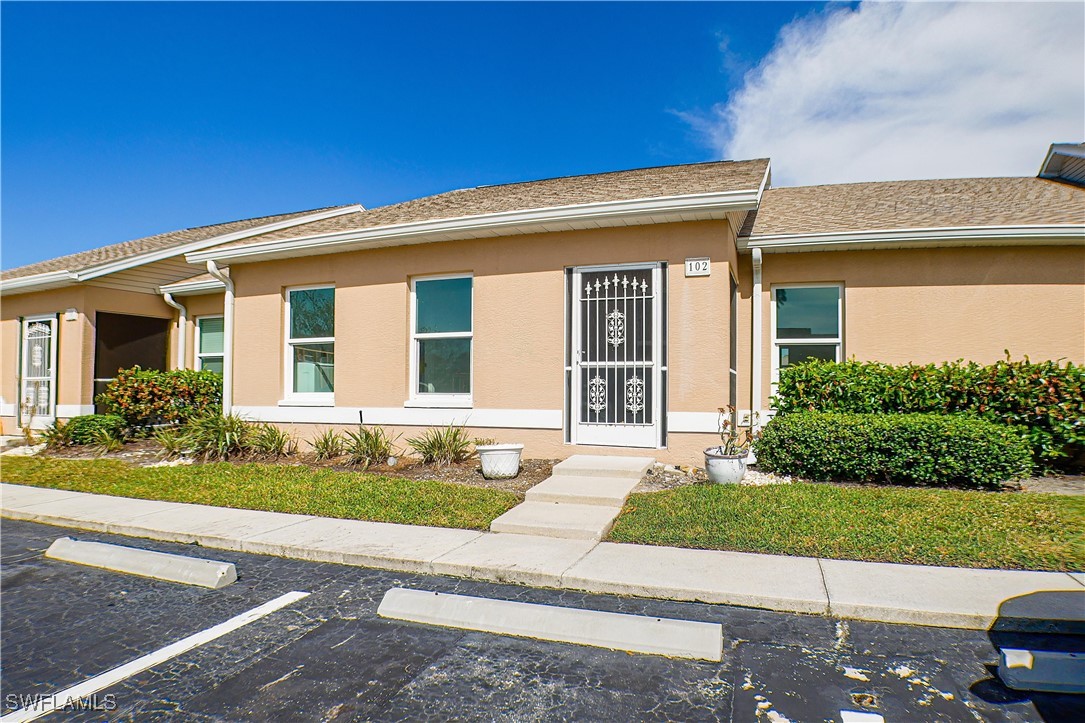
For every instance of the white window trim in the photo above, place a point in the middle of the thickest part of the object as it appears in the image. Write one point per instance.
(778, 342)
(423, 399)
(199, 354)
(290, 397)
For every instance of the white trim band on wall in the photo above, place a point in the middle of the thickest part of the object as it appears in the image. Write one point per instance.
(407, 416)
(708, 421)
(678, 422)
(7, 409)
(68, 411)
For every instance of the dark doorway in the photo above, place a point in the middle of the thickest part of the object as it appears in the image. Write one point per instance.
(123, 340)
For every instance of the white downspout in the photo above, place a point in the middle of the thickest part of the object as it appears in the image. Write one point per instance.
(227, 337)
(755, 373)
(182, 327)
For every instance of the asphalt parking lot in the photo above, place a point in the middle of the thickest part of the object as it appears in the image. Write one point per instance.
(329, 657)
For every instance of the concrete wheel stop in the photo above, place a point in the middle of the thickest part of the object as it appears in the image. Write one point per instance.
(614, 631)
(145, 563)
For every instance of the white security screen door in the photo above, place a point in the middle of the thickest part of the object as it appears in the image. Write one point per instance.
(37, 400)
(616, 364)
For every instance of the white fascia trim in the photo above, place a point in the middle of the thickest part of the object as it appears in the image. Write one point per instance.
(191, 288)
(745, 200)
(406, 417)
(166, 253)
(1072, 150)
(67, 411)
(29, 282)
(1055, 233)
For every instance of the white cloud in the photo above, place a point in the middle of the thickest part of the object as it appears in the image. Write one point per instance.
(910, 90)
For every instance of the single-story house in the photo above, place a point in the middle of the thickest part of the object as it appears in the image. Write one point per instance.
(597, 313)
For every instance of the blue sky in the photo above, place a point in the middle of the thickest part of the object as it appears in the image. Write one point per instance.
(123, 120)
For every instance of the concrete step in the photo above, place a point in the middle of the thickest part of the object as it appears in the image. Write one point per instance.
(603, 491)
(557, 519)
(598, 465)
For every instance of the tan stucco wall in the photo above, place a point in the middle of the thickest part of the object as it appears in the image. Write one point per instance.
(519, 314)
(519, 331)
(933, 305)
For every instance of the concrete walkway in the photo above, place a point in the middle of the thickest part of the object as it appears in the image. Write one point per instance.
(940, 596)
(579, 501)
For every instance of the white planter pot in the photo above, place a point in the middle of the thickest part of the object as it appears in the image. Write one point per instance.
(500, 461)
(724, 468)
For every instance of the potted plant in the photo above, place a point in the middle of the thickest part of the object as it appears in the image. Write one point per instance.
(726, 464)
(499, 461)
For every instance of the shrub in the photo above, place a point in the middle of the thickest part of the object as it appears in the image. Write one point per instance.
(1044, 402)
(216, 436)
(915, 449)
(57, 435)
(145, 396)
(329, 444)
(269, 440)
(84, 429)
(172, 440)
(443, 446)
(107, 440)
(367, 446)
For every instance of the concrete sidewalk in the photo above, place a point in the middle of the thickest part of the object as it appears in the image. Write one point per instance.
(939, 596)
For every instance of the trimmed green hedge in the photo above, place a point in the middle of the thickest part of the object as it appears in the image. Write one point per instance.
(1044, 402)
(909, 449)
(83, 430)
(147, 396)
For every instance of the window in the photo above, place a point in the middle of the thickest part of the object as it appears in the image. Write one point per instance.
(209, 335)
(441, 333)
(807, 324)
(310, 344)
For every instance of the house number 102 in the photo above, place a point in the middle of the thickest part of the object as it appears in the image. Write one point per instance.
(698, 267)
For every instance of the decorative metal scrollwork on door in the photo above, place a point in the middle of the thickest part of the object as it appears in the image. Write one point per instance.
(615, 347)
(634, 394)
(597, 394)
(615, 328)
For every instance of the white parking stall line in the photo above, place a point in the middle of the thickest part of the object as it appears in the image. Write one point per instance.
(70, 696)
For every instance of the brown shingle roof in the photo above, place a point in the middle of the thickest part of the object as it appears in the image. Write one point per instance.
(661, 181)
(127, 249)
(916, 204)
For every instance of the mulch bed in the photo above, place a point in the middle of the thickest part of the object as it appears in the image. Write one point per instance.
(146, 452)
(532, 472)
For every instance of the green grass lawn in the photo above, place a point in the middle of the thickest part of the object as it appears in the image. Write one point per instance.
(280, 488)
(911, 525)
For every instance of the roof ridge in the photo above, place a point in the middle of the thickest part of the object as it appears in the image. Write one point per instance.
(614, 172)
(907, 180)
(560, 178)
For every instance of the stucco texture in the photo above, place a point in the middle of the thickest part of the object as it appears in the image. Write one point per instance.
(519, 320)
(939, 304)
